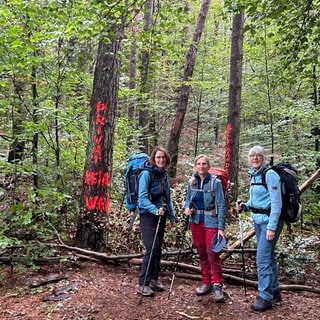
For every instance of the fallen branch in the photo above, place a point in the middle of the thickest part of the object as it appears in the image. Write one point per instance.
(186, 315)
(8, 260)
(251, 283)
(227, 277)
(98, 255)
(183, 266)
(237, 244)
(309, 181)
(165, 263)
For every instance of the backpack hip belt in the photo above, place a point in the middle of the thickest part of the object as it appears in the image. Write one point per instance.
(212, 213)
(263, 211)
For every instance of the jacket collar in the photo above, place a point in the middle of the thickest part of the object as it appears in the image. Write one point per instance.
(254, 171)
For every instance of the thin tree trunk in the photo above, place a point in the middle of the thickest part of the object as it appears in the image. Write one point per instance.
(233, 124)
(132, 80)
(35, 139)
(182, 103)
(145, 88)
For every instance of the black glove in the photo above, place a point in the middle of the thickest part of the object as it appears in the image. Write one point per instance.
(241, 206)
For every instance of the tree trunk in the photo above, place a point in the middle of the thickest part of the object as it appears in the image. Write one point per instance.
(35, 139)
(184, 91)
(95, 200)
(233, 124)
(144, 120)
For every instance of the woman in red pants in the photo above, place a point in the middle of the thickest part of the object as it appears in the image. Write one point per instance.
(205, 203)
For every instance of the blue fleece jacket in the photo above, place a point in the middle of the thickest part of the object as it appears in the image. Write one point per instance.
(212, 200)
(262, 198)
(154, 191)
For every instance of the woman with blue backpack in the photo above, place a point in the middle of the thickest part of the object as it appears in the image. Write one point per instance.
(265, 205)
(155, 207)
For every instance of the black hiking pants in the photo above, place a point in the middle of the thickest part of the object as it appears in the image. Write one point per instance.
(148, 225)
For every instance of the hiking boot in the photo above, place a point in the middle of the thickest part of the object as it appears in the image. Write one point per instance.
(217, 292)
(204, 289)
(145, 291)
(156, 285)
(261, 305)
(277, 296)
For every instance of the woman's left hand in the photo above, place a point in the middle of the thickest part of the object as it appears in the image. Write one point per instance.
(161, 211)
(221, 233)
(270, 235)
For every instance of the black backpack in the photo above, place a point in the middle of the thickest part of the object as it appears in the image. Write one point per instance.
(290, 193)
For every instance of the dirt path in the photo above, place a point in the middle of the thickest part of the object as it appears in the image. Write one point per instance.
(101, 292)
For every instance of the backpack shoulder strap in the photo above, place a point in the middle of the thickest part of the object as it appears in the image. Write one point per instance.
(263, 178)
(211, 184)
(212, 180)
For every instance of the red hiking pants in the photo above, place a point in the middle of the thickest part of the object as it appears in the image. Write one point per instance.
(210, 262)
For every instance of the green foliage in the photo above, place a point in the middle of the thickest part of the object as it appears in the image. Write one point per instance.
(298, 252)
(48, 52)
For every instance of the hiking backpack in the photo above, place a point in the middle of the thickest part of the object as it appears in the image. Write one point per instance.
(223, 176)
(136, 163)
(290, 193)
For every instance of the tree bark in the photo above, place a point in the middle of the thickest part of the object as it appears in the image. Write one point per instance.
(184, 91)
(95, 200)
(144, 121)
(233, 123)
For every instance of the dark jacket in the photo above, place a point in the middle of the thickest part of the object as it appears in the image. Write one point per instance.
(154, 192)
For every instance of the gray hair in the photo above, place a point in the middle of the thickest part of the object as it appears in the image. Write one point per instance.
(257, 150)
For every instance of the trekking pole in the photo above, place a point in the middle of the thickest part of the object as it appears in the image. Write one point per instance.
(242, 254)
(179, 253)
(133, 218)
(149, 262)
(122, 202)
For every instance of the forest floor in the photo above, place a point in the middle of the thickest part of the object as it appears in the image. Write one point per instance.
(96, 291)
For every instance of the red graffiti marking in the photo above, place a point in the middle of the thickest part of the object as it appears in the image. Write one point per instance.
(101, 106)
(97, 178)
(98, 139)
(99, 131)
(227, 160)
(100, 121)
(98, 203)
(98, 181)
(97, 157)
(97, 150)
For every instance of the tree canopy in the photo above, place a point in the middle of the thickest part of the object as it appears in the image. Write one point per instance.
(49, 51)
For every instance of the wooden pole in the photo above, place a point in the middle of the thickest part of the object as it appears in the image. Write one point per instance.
(309, 181)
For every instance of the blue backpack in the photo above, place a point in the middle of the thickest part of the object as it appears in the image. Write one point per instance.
(136, 163)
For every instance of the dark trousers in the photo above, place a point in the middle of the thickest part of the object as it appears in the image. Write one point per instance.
(148, 226)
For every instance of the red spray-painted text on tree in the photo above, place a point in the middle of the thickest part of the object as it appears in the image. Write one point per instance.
(98, 138)
(98, 181)
(228, 148)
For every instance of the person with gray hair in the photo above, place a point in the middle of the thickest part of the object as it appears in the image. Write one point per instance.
(265, 206)
(205, 204)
